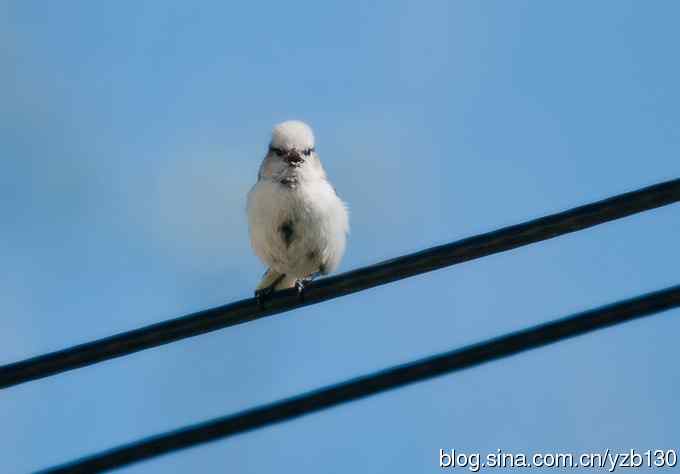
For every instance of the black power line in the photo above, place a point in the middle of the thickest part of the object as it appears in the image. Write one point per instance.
(427, 260)
(377, 382)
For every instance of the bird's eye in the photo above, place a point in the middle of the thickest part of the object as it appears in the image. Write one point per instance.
(307, 152)
(277, 151)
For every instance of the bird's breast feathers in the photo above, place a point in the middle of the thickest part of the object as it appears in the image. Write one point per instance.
(296, 228)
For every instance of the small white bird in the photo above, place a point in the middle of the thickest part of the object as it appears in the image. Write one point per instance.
(298, 224)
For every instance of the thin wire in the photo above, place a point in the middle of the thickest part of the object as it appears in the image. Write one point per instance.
(391, 378)
(427, 260)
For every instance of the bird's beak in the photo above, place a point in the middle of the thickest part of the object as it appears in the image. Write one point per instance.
(293, 158)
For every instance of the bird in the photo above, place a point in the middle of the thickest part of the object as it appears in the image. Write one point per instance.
(297, 223)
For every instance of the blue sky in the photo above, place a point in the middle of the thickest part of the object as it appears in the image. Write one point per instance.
(130, 133)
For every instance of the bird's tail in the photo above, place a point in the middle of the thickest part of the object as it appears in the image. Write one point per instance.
(275, 281)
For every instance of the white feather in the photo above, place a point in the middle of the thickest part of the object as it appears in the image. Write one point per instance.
(292, 134)
(302, 197)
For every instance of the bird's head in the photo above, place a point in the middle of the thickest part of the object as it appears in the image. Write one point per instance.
(292, 142)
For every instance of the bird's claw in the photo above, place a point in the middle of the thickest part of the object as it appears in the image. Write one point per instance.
(300, 287)
(261, 295)
(301, 284)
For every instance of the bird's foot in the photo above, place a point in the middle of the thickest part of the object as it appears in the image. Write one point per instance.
(262, 294)
(301, 284)
(300, 287)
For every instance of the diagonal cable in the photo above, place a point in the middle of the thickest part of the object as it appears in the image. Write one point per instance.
(367, 385)
(239, 312)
